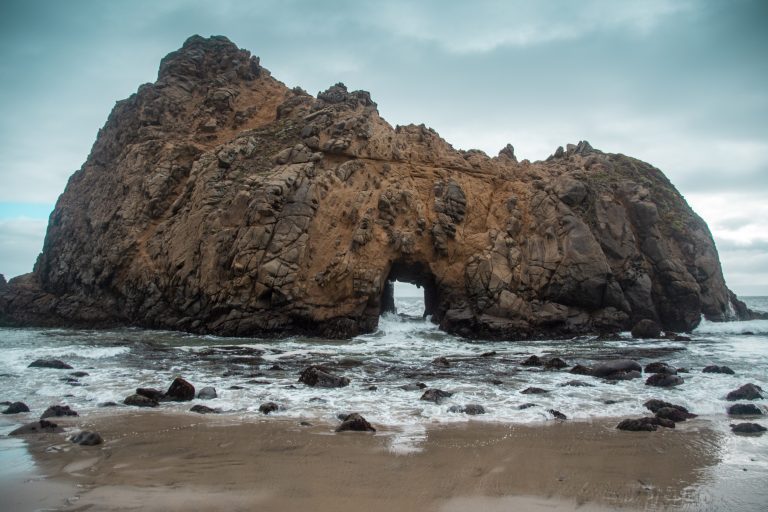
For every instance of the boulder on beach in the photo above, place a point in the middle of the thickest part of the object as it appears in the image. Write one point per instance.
(748, 428)
(471, 409)
(662, 380)
(435, 395)
(607, 368)
(137, 400)
(87, 438)
(58, 410)
(268, 407)
(356, 423)
(746, 392)
(314, 376)
(673, 414)
(151, 393)
(180, 390)
(660, 367)
(645, 329)
(37, 427)
(654, 405)
(207, 393)
(16, 408)
(713, 368)
(204, 409)
(647, 424)
(744, 410)
(557, 414)
(526, 405)
(56, 364)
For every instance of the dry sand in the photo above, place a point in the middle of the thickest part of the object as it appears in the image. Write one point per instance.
(153, 461)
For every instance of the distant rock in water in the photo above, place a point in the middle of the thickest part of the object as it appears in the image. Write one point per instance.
(217, 200)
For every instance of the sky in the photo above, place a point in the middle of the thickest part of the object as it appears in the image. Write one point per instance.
(680, 84)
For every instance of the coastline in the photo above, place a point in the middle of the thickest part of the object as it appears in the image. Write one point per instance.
(155, 460)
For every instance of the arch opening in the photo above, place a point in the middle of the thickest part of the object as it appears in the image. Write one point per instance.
(401, 275)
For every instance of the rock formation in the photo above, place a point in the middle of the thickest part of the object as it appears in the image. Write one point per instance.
(218, 200)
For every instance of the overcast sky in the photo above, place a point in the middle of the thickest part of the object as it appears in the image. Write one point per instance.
(680, 84)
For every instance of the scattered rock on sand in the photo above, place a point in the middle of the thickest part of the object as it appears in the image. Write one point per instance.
(606, 369)
(748, 428)
(37, 427)
(180, 390)
(745, 392)
(435, 395)
(204, 409)
(16, 408)
(713, 368)
(58, 410)
(441, 362)
(534, 391)
(268, 407)
(645, 329)
(745, 410)
(557, 414)
(87, 438)
(673, 414)
(662, 380)
(316, 377)
(151, 393)
(659, 367)
(50, 363)
(471, 409)
(647, 424)
(655, 405)
(207, 393)
(108, 404)
(140, 401)
(355, 422)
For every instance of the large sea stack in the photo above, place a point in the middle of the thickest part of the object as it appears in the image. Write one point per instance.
(218, 200)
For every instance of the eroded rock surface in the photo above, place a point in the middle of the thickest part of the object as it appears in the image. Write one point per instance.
(218, 200)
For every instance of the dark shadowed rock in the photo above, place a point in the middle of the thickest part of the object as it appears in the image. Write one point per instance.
(533, 361)
(151, 393)
(50, 363)
(355, 422)
(180, 391)
(534, 391)
(140, 401)
(79, 374)
(37, 427)
(435, 395)
(748, 428)
(659, 367)
(557, 414)
(633, 374)
(654, 405)
(645, 329)
(204, 409)
(87, 438)
(471, 409)
(555, 364)
(58, 410)
(662, 380)
(16, 408)
(647, 424)
(745, 410)
(713, 368)
(316, 377)
(745, 392)
(577, 384)
(268, 407)
(673, 414)
(580, 369)
(527, 405)
(207, 393)
(108, 404)
(611, 367)
(441, 362)
(488, 354)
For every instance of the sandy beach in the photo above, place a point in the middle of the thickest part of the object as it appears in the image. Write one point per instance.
(157, 462)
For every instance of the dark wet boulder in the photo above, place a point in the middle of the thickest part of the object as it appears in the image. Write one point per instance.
(268, 407)
(79, 374)
(16, 408)
(37, 427)
(713, 368)
(50, 363)
(655, 405)
(557, 414)
(632, 374)
(316, 377)
(534, 391)
(580, 369)
(57, 411)
(611, 367)
(355, 422)
(87, 438)
(488, 354)
(151, 393)
(180, 390)
(748, 428)
(745, 392)
(204, 409)
(471, 409)
(435, 395)
(108, 404)
(555, 364)
(645, 329)
(533, 361)
(659, 367)
(140, 401)
(745, 410)
(207, 393)
(441, 362)
(527, 405)
(673, 414)
(662, 380)
(372, 388)
(577, 384)
(417, 386)
(646, 424)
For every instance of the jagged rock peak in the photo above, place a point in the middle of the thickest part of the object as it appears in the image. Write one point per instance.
(338, 94)
(509, 152)
(205, 58)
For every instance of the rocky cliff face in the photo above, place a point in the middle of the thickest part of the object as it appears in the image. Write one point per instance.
(218, 200)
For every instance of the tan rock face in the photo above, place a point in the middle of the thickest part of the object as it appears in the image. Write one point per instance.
(218, 200)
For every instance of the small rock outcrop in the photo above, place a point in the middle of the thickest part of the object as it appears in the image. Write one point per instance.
(470, 409)
(663, 380)
(180, 390)
(744, 410)
(646, 328)
(613, 369)
(713, 368)
(218, 200)
(745, 392)
(207, 393)
(16, 408)
(56, 364)
(37, 427)
(748, 428)
(137, 400)
(87, 438)
(268, 407)
(316, 377)
(435, 395)
(647, 424)
(58, 411)
(355, 422)
(204, 409)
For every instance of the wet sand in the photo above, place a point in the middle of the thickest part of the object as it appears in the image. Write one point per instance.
(156, 461)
